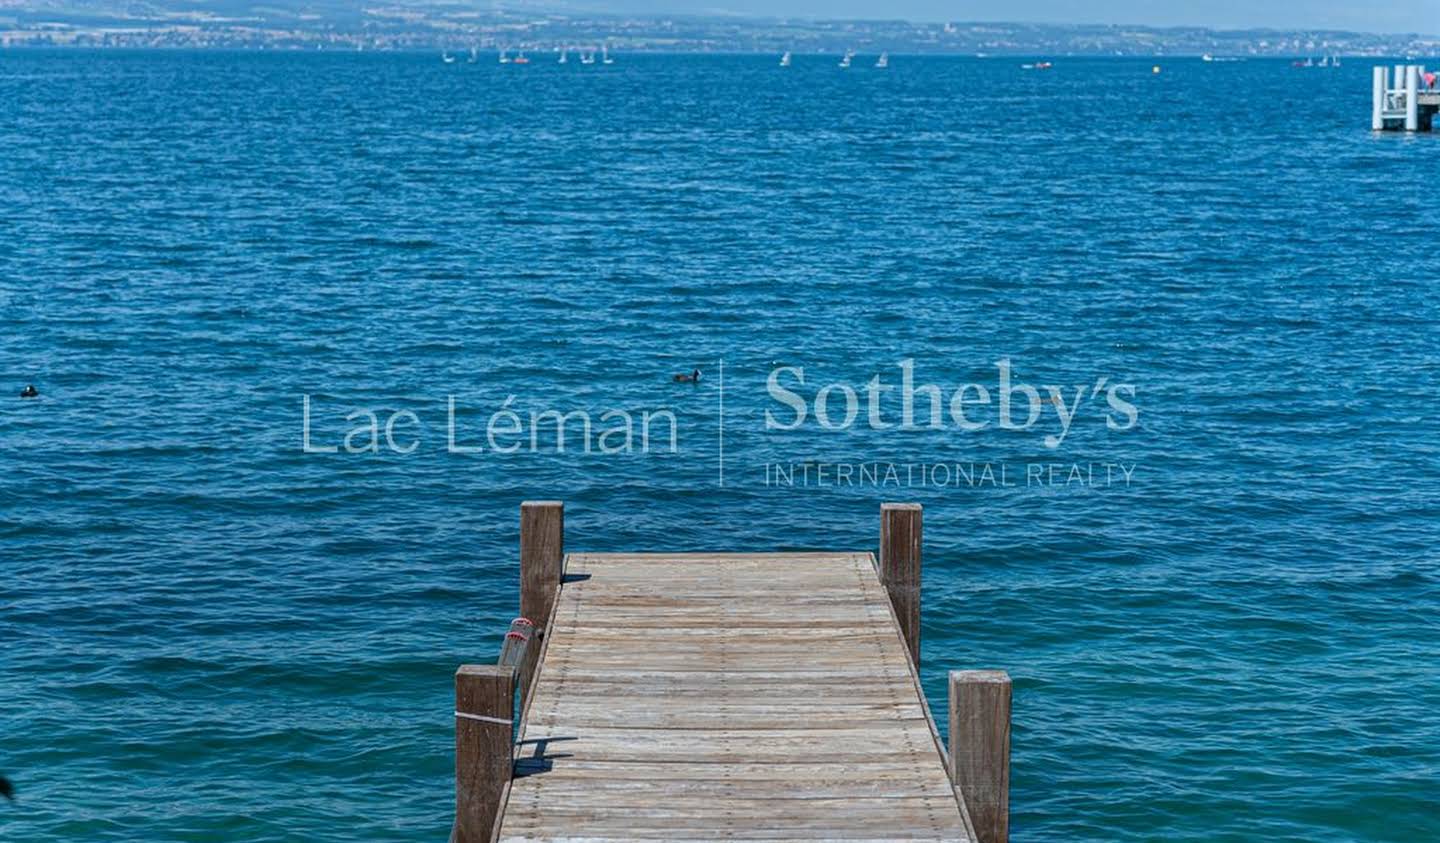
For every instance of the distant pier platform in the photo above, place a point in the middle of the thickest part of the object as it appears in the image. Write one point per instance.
(724, 696)
(1402, 100)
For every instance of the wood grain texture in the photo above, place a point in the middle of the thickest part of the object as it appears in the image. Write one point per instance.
(980, 748)
(542, 561)
(483, 749)
(901, 541)
(727, 697)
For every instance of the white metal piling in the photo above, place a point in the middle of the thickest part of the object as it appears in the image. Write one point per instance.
(1377, 100)
(1412, 98)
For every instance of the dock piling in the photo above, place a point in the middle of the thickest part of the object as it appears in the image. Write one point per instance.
(484, 741)
(515, 644)
(1400, 100)
(1377, 99)
(901, 542)
(542, 555)
(980, 748)
(1412, 98)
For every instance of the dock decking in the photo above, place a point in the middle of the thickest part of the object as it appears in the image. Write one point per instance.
(725, 696)
(714, 696)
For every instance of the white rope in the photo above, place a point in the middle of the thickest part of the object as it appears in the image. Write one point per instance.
(483, 719)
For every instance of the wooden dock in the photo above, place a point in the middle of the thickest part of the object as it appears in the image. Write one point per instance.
(725, 696)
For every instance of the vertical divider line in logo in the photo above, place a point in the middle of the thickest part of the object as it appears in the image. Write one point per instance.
(721, 427)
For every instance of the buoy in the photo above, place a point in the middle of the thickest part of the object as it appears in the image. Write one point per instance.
(1155, 69)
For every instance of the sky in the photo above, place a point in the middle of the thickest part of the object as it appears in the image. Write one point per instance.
(1359, 15)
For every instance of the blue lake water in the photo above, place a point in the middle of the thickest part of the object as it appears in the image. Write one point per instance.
(212, 635)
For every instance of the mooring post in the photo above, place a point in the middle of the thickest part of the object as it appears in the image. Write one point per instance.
(542, 555)
(1412, 98)
(1377, 98)
(980, 749)
(900, 550)
(484, 741)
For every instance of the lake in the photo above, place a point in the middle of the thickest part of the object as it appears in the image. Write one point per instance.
(227, 616)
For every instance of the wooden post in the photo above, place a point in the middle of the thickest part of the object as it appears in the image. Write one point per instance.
(980, 748)
(900, 543)
(542, 555)
(484, 742)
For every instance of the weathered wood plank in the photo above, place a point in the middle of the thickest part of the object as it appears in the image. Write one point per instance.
(900, 551)
(636, 832)
(484, 706)
(542, 562)
(980, 748)
(728, 696)
(542, 553)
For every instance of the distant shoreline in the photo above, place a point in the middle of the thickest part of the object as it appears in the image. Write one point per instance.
(425, 28)
(492, 52)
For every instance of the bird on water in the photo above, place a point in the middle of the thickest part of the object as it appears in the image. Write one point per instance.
(7, 789)
(693, 377)
(30, 392)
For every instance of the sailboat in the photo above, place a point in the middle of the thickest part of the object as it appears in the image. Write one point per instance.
(785, 59)
(474, 56)
(520, 59)
(849, 54)
(564, 54)
(587, 57)
(605, 54)
(446, 57)
(883, 62)
(504, 55)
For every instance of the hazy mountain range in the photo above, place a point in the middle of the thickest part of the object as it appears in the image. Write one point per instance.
(435, 24)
